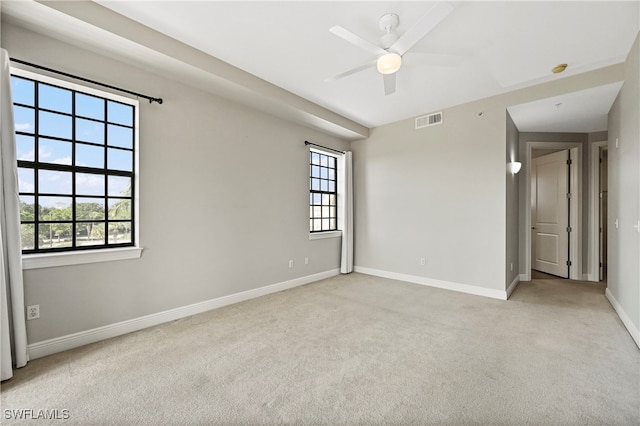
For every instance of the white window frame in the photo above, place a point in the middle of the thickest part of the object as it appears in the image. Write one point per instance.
(49, 260)
(339, 197)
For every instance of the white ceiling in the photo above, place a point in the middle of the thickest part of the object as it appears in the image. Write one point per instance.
(585, 111)
(502, 46)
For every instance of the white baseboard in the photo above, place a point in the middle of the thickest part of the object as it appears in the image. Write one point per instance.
(463, 288)
(70, 341)
(524, 277)
(513, 285)
(631, 328)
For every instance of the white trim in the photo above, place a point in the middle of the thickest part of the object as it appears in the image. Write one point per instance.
(320, 150)
(575, 272)
(513, 286)
(323, 235)
(593, 259)
(70, 341)
(339, 157)
(136, 175)
(52, 260)
(631, 328)
(523, 277)
(462, 288)
(575, 238)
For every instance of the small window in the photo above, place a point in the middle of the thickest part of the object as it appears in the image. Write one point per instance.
(323, 192)
(76, 151)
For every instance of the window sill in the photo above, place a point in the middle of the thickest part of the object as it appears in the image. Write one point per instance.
(323, 235)
(52, 260)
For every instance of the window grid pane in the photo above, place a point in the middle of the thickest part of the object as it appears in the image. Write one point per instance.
(323, 192)
(68, 172)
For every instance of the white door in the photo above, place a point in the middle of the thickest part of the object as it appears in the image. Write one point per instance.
(550, 214)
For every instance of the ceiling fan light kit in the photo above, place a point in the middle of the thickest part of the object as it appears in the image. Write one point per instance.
(389, 63)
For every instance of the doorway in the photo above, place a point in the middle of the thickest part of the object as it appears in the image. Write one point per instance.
(550, 222)
(575, 207)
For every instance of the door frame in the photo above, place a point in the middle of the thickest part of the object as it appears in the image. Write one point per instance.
(575, 203)
(594, 217)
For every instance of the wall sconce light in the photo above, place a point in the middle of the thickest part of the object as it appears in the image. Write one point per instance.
(514, 167)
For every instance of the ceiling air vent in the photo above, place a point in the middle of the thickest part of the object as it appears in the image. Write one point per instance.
(429, 120)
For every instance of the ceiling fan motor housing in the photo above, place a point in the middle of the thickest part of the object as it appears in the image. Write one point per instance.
(388, 23)
(388, 39)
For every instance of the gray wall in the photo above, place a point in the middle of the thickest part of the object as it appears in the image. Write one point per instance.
(436, 193)
(223, 202)
(624, 191)
(441, 193)
(512, 260)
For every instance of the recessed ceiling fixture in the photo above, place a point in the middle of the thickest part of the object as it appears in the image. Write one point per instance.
(559, 68)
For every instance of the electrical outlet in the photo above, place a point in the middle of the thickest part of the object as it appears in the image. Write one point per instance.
(33, 312)
(291, 263)
(512, 266)
(423, 261)
(306, 260)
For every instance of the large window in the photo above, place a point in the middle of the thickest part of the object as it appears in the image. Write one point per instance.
(76, 150)
(323, 195)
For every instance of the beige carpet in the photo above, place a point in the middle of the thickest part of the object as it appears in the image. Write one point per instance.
(356, 350)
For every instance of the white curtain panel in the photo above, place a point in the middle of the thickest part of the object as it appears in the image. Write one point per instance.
(346, 214)
(12, 321)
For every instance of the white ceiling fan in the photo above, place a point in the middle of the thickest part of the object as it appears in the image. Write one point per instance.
(392, 47)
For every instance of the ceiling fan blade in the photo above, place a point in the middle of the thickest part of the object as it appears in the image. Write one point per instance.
(389, 83)
(357, 40)
(351, 71)
(426, 23)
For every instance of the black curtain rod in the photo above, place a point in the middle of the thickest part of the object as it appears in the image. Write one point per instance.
(324, 147)
(40, 67)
